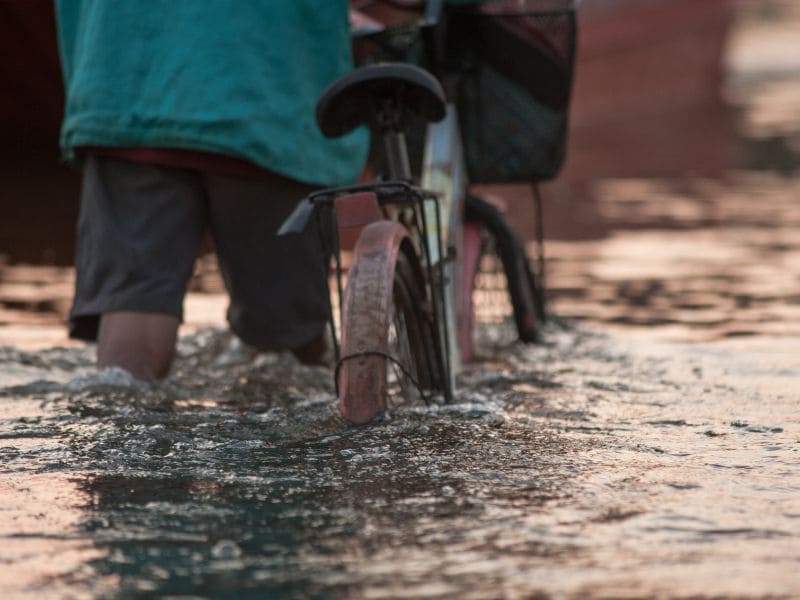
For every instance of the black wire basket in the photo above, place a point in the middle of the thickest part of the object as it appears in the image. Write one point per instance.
(509, 64)
(515, 62)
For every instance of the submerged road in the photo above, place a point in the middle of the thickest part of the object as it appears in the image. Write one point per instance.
(588, 466)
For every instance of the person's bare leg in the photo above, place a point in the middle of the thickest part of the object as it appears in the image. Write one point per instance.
(141, 343)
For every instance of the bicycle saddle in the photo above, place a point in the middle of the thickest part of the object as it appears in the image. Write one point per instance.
(382, 96)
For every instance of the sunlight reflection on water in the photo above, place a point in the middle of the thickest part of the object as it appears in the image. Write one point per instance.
(589, 465)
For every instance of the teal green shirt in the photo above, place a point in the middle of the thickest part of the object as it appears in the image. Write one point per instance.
(237, 77)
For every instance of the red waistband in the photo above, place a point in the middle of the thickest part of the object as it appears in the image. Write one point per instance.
(180, 158)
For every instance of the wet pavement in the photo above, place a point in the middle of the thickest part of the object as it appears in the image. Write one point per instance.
(588, 466)
(649, 447)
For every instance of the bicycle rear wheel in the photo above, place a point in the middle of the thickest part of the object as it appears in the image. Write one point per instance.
(388, 352)
(486, 227)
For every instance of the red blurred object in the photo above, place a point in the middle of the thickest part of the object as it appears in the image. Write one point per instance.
(648, 100)
(31, 96)
(39, 194)
(353, 213)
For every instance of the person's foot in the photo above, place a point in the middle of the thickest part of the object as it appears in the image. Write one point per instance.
(313, 353)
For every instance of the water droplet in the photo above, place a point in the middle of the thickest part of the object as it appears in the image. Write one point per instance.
(226, 550)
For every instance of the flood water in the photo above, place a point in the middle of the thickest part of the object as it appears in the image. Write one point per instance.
(648, 447)
(585, 466)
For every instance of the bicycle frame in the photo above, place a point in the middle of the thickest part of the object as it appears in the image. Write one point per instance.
(444, 172)
(399, 226)
(438, 220)
(419, 210)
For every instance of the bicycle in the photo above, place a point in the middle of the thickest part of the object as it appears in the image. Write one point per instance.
(416, 238)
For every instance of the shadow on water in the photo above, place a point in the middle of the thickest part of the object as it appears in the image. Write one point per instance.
(295, 520)
(242, 480)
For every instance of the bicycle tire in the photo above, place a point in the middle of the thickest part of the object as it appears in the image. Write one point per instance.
(524, 295)
(388, 349)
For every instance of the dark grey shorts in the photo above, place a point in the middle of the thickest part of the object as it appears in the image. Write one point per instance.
(139, 232)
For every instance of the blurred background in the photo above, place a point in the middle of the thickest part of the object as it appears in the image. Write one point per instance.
(676, 212)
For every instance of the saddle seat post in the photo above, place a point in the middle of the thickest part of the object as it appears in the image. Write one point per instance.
(390, 129)
(385, 97)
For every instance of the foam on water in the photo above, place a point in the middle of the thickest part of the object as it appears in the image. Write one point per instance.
(585, 465)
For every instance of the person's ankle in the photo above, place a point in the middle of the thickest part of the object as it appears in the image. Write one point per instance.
(313, 352)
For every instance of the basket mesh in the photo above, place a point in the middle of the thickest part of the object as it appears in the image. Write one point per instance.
(515, 64)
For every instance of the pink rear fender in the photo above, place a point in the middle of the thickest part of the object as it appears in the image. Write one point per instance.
(366, 315)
